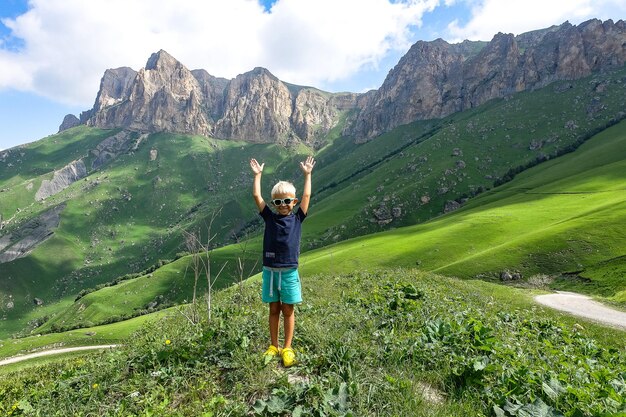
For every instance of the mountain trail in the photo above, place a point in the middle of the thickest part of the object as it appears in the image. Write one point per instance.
(20, 358)
(583, 306)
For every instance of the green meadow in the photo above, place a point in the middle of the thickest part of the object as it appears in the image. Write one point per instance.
(382, 342)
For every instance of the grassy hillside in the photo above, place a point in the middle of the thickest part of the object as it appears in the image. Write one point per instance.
(558, 225)
(132, 212)
(418, 168)
(126, 216)
(384, 342)
(562, 217)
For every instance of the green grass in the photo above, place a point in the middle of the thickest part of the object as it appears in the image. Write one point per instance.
(368, 343)
(563, 216)
(169, 285)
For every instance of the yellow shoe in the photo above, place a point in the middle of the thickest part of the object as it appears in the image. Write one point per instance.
(289, 357)
(272, 351)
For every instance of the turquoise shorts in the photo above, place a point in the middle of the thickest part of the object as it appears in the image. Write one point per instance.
(281, 284)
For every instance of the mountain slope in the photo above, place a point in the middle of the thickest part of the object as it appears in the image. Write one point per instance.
(435, 79)
(123, 216)
(141, 192)
(563, 216)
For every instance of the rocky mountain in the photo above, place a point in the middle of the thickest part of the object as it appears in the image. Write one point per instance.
(255, 106)
(435, 79)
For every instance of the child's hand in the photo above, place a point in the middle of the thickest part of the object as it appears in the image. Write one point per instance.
(307, 166)
(256, 167)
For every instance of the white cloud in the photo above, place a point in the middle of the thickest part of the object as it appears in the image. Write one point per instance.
(326, 40)
(489, 17)
(67, 44)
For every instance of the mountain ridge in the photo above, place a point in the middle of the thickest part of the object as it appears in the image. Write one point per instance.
(435, 79)
(432, 80)
(255, 106)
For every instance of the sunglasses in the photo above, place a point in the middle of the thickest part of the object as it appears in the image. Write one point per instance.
(280, 201)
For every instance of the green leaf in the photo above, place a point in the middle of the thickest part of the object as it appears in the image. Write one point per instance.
(342, 397)
(297, 412)
(538, 409)
(25, 406)
(276, 405)
(498, 411)
(549, 391)
(481, 363)
(553, 389)
(259, 406)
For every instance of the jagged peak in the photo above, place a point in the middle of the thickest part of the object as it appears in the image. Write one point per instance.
(161, 59)
(260, 71)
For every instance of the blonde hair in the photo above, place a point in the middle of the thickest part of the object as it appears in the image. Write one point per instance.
(284, 187)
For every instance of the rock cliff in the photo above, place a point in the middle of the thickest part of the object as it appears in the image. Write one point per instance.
(163, 96)
(435, 79)
(22, 241)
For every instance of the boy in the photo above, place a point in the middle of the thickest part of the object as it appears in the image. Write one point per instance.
(281, 250)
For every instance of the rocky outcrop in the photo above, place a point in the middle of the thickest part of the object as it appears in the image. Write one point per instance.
(163, 96)
(255, 106)
(414, 89)
(111, 147)
(69, 121)
(435, 79)
(26, 238)
(61, 179)
(115, 87)
(315, 113)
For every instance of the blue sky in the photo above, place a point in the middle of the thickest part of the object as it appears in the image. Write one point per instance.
(54, 52)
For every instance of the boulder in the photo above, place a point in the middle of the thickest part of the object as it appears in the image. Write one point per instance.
(451, 206)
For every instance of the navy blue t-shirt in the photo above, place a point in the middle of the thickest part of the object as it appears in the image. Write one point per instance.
(281, 242)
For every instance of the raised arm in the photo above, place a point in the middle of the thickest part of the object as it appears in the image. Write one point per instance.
(307, 168)
(257, 169)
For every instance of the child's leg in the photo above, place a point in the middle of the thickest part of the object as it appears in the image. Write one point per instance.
(289, 323)
(274, 320)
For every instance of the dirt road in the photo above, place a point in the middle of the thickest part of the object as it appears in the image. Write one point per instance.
(20, 358)
(583, 306)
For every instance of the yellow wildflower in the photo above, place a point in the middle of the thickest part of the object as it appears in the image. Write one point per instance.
(168, 342)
